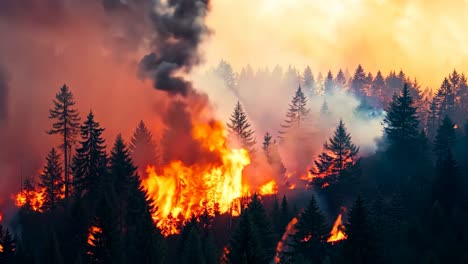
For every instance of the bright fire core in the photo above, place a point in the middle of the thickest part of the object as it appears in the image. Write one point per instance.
(180, 191)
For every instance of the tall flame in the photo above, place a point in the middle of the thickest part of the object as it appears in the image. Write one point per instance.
(93, 230)
(281, 247)
(180, 191)
(35, 198)
(337, 233)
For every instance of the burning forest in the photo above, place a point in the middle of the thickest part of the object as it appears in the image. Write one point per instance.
(153, 131)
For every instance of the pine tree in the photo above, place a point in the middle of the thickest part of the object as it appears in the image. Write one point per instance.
(276, 218)
(240, 129)
(401, 122)
(90, 161)
(298, 112)
(267, 142)
(285, 213)
(339, 153)
(226, 73)
(359, 81)
(360, 245)
(52, 181)
(446, 98)
(66, 125)
(7, 243)
(444, 140)
(329, 84)
(432, 119)
(144, 150)
(446, 186)
(252, 240)
(312, 232)
(340, 79)
(377, 88)
(324, 111)
(309, 81)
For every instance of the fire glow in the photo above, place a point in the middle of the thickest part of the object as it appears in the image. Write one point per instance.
(337, 233)
(34, 198)
(180, 191)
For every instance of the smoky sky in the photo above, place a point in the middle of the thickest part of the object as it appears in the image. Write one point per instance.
(179, 29)
(4, 89)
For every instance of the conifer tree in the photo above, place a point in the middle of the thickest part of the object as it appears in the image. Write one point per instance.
(226, 73)
(252, 240)
(446, 98)
(329, 84)
(324, 111)
(401, 122)
(52, 181)
(66, 125)
(7, 243)
(339, 153)
(447, 183)
(298, 112)
(360, 245)
(340, 79)
(432, 119)
(309, 81)
(285, 212)
(359, 81)
(276, 218)
(312, 232)
(377, 89)
(143, 148)
(90, 160)
(267, 142)
(444, 140)
(240, 128)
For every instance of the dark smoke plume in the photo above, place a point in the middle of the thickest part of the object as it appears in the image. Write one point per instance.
(179, 27)
(4, 92)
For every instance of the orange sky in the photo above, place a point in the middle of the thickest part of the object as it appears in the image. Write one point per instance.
(425, 38)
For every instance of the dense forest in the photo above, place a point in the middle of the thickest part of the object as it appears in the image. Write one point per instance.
(404, 202)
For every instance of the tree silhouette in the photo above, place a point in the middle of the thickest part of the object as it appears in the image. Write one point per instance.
(66, 125)
(240, 129)
(52, 181)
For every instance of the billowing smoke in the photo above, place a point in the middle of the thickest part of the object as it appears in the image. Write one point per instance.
(179, 28)
(4, 91)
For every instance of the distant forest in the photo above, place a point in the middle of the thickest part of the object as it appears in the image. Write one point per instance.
(406, 202)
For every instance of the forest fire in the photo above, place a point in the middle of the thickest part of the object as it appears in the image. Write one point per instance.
(181, 190)
(93, 230)
(281, 247)
(337, 233)
(34, 198)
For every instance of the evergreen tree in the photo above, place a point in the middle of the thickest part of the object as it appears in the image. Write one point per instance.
(226, 73)
(298, 112)
(401, 123)
(329, 84)
(324, 111)
(432, 119)
(90, 161)
(312, 232)
(339, 153)
(446, 98)
(360, 245)
(276, 218)
(377, 89)
(66, 125)
(252, 240)
(444, 140)
(309, 81)
(192, 250)
(285, 213)
(7, 243)
(144, 150)
(340, 79)
(267, 142)
(359, 81)
(240, 129)
(446, 187)
(52, 181)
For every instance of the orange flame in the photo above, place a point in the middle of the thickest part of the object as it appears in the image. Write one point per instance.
(35, 198)
(93, 230)
(1, 248)
(180, 191)
(269, 188)
(337, 233)
(290, 230)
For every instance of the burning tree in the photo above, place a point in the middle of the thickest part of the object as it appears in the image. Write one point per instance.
(7, 246)
(339, 154)
(66, 125)
(240, 129)
(52, 181)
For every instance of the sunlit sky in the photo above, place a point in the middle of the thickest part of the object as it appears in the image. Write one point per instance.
(426, 39)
